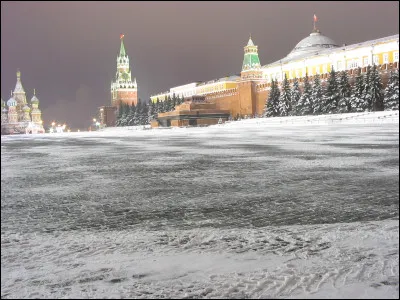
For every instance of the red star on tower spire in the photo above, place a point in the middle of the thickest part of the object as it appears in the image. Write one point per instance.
(121, 36)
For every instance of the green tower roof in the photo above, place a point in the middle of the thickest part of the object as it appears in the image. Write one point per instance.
(250, 60)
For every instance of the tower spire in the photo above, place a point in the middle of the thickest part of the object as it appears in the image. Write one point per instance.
(122, 49)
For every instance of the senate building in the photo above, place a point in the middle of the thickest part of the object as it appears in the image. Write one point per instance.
(245, 94)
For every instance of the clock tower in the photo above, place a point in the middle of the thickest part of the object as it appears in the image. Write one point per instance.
(123, 88)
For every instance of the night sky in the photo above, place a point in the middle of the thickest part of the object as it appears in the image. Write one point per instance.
(68, 50)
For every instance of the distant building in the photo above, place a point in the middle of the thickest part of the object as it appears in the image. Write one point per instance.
(245, 95)
(17, 116)
(107, 116)
(123, 88)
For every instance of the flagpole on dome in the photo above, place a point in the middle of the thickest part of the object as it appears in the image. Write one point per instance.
(315, 21)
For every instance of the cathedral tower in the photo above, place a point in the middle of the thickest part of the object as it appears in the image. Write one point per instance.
(36, 113)
(20, 98)
(123, 88)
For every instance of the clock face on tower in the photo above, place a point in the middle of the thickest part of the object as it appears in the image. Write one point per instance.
(125, 76)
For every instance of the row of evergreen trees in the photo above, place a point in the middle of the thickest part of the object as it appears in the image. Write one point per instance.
(142, 113)
(336, 96)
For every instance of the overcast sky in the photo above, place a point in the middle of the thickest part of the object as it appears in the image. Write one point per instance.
(68, 50)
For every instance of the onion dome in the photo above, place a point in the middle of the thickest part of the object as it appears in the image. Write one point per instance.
(34, 98)
(313, 43)
(11, 102)
(26, 108)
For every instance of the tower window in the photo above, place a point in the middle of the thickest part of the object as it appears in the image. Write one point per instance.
(396, 56)
(366, 61)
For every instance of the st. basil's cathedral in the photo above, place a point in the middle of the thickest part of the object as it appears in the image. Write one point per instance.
(17, 116)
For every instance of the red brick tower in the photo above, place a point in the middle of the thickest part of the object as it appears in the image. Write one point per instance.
(123, 88)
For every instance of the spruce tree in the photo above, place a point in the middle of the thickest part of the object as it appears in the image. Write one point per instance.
(366, 94)
(344, 104)
(356, 99)
(131, 115)
(162, 105)
(157, 106)
(168, 104)
(174, 101)
(136, 117)
(306, 104)
(376, 90)
(119, 114)
(271, 108)
(295, 95)
(144, 120)
(332, 96)
(124, 117)
(285, 105)
(317, 95)
(391, 100)
(150, 112)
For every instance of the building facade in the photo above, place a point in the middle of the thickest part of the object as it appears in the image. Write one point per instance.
(17, 116)
(246, 95)
(123, 88)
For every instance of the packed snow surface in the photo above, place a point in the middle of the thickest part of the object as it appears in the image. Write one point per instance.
(295, 207)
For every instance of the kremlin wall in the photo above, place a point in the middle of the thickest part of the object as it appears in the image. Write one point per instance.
(245, 95)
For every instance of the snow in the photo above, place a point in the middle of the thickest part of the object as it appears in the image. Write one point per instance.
(293, 207)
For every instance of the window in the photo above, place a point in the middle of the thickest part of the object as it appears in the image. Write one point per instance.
(396, 56)
(376, 60)
(353, 64)
(325, 69)
(339, 66)
(297, 74)
(385, 58)
(366, 61)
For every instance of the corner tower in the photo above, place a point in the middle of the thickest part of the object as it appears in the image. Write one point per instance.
(123, 88)
(251, 67)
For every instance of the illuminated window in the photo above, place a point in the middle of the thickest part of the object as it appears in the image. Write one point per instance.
(339, 65)
(385, 58)
(365, 61)
(396, 56)
(325, 69)
(297, 74)
(376, 60)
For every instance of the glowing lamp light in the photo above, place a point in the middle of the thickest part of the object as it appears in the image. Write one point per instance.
(94, 120)
(53, 124)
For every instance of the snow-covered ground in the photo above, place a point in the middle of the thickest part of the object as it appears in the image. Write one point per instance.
(295, 207)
